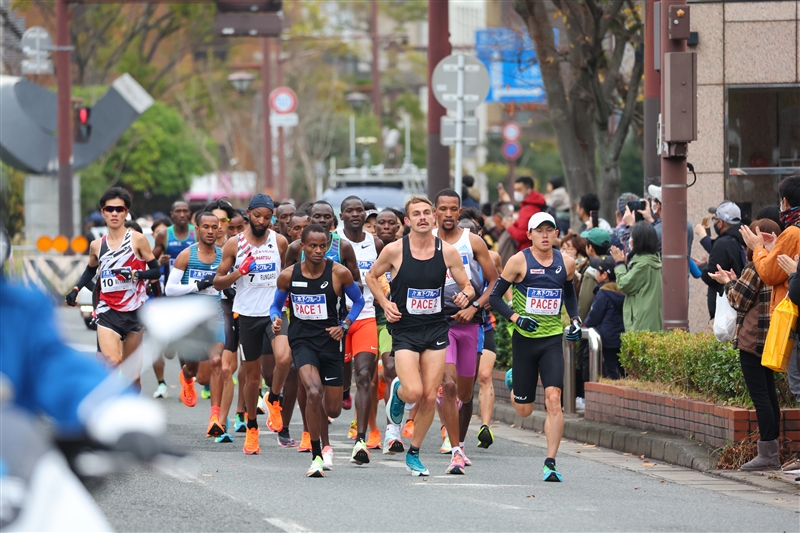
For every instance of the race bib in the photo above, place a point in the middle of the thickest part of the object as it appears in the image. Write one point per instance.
(309, 306)
(196, 276)
(448, 279)
(363, 267)
(109, 282)
(543, 302)
(424, 301)
(262, 275)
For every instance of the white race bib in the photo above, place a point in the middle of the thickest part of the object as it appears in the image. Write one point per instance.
(424, 301)
(543, 301)
(195, 276)
(363, 267)
(448, 279)
(310, 306)
(109, 282)
(262, 275)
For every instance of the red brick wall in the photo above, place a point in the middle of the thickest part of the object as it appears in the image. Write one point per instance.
(715, 425)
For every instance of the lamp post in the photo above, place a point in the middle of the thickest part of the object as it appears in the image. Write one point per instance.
(241, 80)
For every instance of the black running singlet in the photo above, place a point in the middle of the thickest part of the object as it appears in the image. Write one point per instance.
(313, 306)
(418, 289)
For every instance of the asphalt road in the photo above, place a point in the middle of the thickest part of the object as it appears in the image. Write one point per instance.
(602, 490)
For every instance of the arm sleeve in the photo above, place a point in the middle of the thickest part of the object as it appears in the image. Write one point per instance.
(496, 298)
(694, 270)
(354, 293)
(276, 308)
(174, 286)
(153, 272)
(87, 278)
(570, 299)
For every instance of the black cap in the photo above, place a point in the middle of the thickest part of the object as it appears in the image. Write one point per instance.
(261, 200)
(603, 263)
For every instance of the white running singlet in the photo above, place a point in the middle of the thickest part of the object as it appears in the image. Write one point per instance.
(366, 255)
(116, 293)
(256, 290)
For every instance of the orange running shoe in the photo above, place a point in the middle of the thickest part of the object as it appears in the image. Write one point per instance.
(274, 420)
(215, 428)
(305, 442)
(188, 394)
(374, 440)
(408, 429)
(251, 446)
(352, 433)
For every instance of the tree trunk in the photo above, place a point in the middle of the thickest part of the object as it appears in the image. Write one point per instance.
(608, 191)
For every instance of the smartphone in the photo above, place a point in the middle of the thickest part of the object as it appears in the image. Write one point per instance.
(595, 219)
(635, 206)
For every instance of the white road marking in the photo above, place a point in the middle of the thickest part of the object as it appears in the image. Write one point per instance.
(286, 525)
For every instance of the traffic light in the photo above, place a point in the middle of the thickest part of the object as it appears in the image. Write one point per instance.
(83, 127)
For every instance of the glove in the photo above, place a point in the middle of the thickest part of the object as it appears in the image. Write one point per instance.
(526, 323)
(72, 297)
(206, 282)
(244, 268)
(230, 293)
(574, 333)
(123, 274)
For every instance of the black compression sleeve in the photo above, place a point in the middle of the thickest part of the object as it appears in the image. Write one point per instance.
(154, 272)
(570, 299)
(496, 298)
(87, 278)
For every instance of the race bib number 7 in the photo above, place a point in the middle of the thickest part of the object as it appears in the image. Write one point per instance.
(543, 301)
(109, 282)
(424, 301)
(262, 275)
(309, 306)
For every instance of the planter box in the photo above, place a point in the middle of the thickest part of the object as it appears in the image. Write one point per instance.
(712, 424)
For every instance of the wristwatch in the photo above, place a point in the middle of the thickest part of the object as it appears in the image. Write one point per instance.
(345, 326)
(476, 305)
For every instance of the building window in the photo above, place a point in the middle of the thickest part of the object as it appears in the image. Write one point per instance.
(763, 138)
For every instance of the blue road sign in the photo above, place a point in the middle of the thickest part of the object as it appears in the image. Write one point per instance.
(514, 72)
(511, 150)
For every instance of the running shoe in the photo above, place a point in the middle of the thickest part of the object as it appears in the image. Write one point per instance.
(235, 379)
(445, 447)
(374, 440)
(391, 441)
(161, 391)
(415, 466)
(188, 394)
(347, 403)
(360, 453)
(251, 446)
(408, 429)
(509, 381)
(261, 406)
(274, 420)
(316, 468)
(550, 474)
(327, 458)
(205, 393)
(467, 462)
(352, 433)
(286, 441)
(457, 465)
(485, 437)
(225, 437)
(381, 389)
(792, 466)
(240, 424)
(395, 406)
(305, 442)
(215, 428)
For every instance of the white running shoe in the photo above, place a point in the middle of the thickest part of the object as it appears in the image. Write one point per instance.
(161, 391)
(580, 404)
(262, 404)
(327, 458)
(392, 441)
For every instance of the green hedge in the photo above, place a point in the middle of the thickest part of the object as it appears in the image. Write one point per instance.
(695, 363)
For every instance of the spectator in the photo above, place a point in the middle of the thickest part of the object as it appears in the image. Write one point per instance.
(618, 236)
(575, 247)
(590, 202)
(371, 217)
(750, 296)
(469, 194)
(531, 202)
(501, 214)
(727, 250)
(772, 212)
(598, 242)
(652, 214)
(557, 198)
(606, 314)
(640, 280)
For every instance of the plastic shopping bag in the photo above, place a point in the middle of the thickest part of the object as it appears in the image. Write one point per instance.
(724, 319)
(780, 337)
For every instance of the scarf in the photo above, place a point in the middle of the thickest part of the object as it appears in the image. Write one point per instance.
(791, 216)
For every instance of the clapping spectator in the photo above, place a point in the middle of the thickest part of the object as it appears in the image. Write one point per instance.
(640, 280)
(727, 250)
(606, 314)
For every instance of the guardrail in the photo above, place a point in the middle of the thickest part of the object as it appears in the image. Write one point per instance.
(595, 364)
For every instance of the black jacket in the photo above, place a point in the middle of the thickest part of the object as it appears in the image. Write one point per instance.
(729, 252)
(606, 314)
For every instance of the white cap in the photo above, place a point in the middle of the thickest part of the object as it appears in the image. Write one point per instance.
(655, 192)
(539, 218)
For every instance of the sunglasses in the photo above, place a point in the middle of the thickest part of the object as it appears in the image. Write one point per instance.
(225, 219)
(115, 209)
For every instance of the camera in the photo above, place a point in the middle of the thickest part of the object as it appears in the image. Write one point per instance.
(637, 205)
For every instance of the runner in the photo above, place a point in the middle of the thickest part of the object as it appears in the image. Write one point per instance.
(256, 257)
(126, 263)
(176, 238)
(315, 286)
(462, 352)
(193, 273)
(283, 213)
(361, 342)
(542, 282)
(418, 265)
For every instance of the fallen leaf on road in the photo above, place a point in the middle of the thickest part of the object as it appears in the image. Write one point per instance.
(637, 488)
(495, 426)
(662, 481)
(577, 451)
(651, 464)
(208, 475)
(644, 433)
(531, 496)
(641, 457)
(627, 454)
(513, 426)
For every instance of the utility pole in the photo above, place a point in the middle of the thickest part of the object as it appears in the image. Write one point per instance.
(282, 188)
(64, 110)
(377, 108)
(266, 81)
(652, 100)
(438, 49)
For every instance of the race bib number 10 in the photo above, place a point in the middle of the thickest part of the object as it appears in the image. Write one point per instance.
(262, 275)
(310, 306)
(424, 301)
(543, 301)
(109, 282)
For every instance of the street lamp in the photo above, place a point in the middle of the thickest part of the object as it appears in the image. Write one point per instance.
(356, 100)
(241, 80)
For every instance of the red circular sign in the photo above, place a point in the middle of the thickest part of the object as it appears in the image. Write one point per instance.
(511, 150)
(283, 101)
(511, 131)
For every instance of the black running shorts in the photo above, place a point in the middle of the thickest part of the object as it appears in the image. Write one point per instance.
(535, 358)
(419, 339)
(255, 336)
(231, 326)
(120, 322)
(488, 341)
(329, 364)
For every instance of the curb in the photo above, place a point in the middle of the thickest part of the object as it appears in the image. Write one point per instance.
(667, 448)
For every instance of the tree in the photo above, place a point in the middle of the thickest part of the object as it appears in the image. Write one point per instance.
(593, 103)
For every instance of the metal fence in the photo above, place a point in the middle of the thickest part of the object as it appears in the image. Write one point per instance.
(595, 364)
